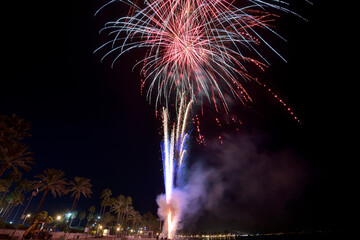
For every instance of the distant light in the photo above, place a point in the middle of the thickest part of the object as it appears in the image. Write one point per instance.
(28, 215)
(10, 222)
(106, 232)
(98, 217)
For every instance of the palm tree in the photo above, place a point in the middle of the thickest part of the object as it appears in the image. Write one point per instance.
(107, 219)
(52, 180)
(72, 217)
(4, 185)
(42, 216)
(82, 215)
(14, 199)
(33, 194)
(27, 186)
(92, 210)
(15, 155)
(90, 216)
(13, 128)
(118, 206)
(13, 176)
(127, 209)
(22, 185)
(135, 218)
(80, 186)
(150, 221)
(105, 196)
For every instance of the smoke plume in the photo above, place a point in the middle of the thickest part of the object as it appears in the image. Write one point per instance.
(241, 181)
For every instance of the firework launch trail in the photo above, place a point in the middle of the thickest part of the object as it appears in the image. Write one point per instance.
(173, 155)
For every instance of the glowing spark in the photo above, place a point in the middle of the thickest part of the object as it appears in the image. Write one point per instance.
(171, 227)
(197, 47)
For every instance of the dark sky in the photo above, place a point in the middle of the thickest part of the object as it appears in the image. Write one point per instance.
(91, 120)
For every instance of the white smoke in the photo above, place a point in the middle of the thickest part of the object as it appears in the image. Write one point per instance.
(256, 181)
(176, 206)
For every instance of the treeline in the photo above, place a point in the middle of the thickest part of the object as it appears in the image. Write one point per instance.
(117, 213)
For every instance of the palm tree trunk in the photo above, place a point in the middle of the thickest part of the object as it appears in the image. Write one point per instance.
(101, 210)
(74, 203)
(122, 221)
(72, 209)
(13, 220)
(23, 214)
(117, 223)
(79, 223)
(16, 212)
(5, 211)
(104, 210)
(3, 196)
(126, 218)
(38, 208)
(9, 212)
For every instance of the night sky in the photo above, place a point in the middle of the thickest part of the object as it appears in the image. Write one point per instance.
(90, 120)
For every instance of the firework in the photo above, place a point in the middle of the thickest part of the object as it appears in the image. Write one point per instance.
(197, 51)
(174, 153)
(199, 47)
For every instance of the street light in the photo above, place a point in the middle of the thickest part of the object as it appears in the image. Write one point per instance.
(58, 217)
(27, 215)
